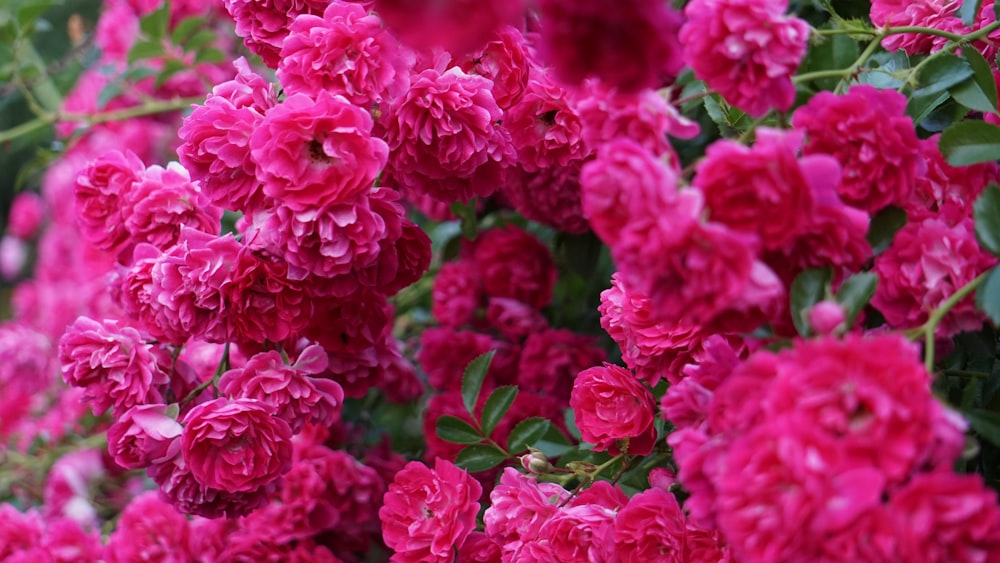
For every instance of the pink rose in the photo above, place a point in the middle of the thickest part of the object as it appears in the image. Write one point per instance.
(613, 410)
(149, 529)
(27, 212)
(263, 24)
(746, 50)
(519, 506)
(650, 528)
(236, 445)
(312, 153)
(513, 263)
(295, 391)
(429, 512)
(163, 201)
(445, 138)
(584, 532)
(144, 435)
(345, 52)
(111, 362)
(100, 188)
(868, 132)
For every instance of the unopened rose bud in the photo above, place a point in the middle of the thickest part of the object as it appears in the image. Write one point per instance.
(827, 317)
(535, 463)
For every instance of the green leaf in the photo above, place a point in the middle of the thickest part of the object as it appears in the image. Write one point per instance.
(579, 252)
(987, 219)
(969, 10)
(170, 68)
(808, 289)
(185, 29)
(883, 228)
(200, 40)
(28, 12)
(855, 293)
(456, 430)
(145, 50)
(137, 73)
(569, 417)
(970, 142)
(154, 25)
(496, 406)
(472, 380)
(838, 51)
(942, 73)
(982, 76)
(986, 424)
(527, 433)
(919, 106)
(479, 458)
(988, 296)
(210, 56)
(109, 92)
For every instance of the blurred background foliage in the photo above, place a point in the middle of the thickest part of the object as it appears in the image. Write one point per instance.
(44, 45)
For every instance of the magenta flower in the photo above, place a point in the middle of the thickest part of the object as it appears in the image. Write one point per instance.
(345, 52)
(111, 362)
(613, 410)
(216, 140)
(149, 529)
(296, 393)
(236, 445)
(100, 188)
(868, 132)
(513, 263)
(651, 527)
(445, 137)
(144, 435)
(315, 153)
(161, 202)
(429, 512)
(263, 24)
(746, 50)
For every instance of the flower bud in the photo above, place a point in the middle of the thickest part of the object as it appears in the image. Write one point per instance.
(535, 462)
(827, 317)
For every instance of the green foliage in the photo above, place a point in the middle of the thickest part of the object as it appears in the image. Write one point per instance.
(472, 380)
(809, 288)
(527, 433)
(496, 407)
(987, 219)
(480, 458)
(855, 293)
(970, 142)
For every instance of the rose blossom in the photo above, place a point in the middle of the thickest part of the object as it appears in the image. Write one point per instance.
(444, 136)
(632, 46)
(545, 125)
(429, 512)
(505, 61)
(189, 496)
(868, 132)
(650, 528)
(457, 294)
(294, 391)
(552, 358)
(264, 302)
(215, 139)
(149, 529)
(513, 263)
(333, 242)
(550, 196)
(583, 532)
(746, 50)
(99, 190)
(345, 52)
(765, 189)
(144, 435)
(263, 24)
(161, 201)
(935, 14)
(611, 407)
(111, 362)
(236, 445)
(312, 153)
(519, 505)
(926, 264)
(947, 192)
(944, 516)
